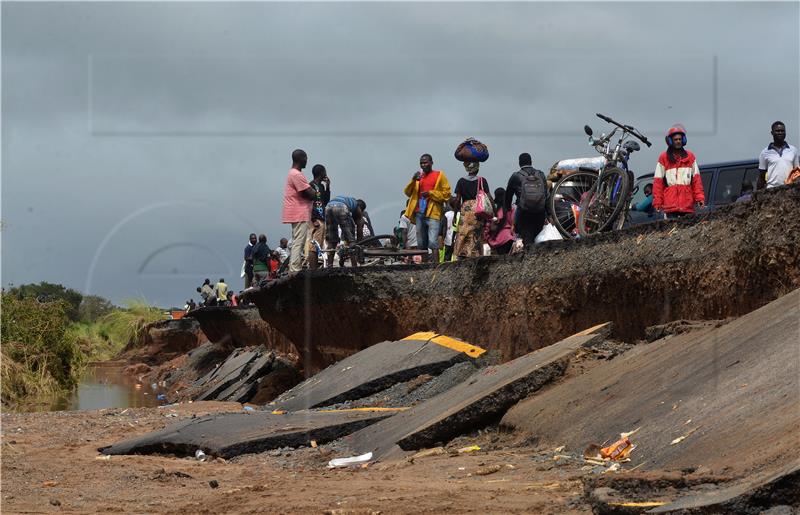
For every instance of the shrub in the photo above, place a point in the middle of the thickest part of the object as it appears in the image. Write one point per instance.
(38, 354)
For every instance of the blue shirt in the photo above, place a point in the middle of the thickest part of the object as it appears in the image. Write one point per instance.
(350, 202)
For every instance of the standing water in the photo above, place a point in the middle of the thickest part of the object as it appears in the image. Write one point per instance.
(103, 385)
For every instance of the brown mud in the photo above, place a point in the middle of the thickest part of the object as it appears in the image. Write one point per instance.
(706, 267)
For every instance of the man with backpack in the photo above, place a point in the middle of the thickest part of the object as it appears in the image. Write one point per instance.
(529, 185)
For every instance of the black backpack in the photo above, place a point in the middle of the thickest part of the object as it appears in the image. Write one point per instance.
(533, 190)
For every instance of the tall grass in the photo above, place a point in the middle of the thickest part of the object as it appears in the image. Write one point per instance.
(126, 326)
(38, 355)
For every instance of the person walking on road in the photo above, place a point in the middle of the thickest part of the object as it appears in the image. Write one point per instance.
(677, 185)
(529, 185)
(297, 199)
(427, 192)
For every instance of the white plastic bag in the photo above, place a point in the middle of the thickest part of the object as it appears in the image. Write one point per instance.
(548, 233)
(353, 460)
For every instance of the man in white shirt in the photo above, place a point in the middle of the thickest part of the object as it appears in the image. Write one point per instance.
(777, 160)
(449, 216)
(409, 233)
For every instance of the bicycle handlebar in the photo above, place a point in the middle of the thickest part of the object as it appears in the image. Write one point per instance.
(627, 128)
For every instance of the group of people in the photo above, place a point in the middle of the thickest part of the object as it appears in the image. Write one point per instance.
(677, 187)
(466, 221)
(461, 223)
(454, 224)
(318, 221)
(217, 295)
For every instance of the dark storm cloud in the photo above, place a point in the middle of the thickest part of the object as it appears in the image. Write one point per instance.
(159, 133)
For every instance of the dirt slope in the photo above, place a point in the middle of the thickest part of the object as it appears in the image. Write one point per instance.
(725, 264)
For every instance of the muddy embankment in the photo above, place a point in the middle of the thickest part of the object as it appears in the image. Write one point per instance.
(706, 267)
(218, 330)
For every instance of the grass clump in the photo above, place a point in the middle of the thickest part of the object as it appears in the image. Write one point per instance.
(126, 325)
(38, 354)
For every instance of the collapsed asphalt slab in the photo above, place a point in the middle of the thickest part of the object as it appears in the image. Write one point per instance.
(232, 434)
(376, 368)
(244, 375)
(723, 399)
(233, 372)
(477, 401)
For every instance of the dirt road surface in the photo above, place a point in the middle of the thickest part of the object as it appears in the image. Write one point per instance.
(50, 464)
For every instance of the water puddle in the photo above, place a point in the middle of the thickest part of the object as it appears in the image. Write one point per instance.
(102, 386)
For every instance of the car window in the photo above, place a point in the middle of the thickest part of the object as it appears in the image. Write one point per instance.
(641, 183)
(729, 185)
(751, 176)
(706, 176)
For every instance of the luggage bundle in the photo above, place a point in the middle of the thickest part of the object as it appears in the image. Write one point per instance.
(472, 151)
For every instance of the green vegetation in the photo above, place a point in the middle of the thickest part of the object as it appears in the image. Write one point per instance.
(37, 354)
(48, 292)
(50, 332)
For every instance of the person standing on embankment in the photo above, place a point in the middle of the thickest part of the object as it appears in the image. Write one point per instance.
(427, 192)
(297, 199)
(677, 185)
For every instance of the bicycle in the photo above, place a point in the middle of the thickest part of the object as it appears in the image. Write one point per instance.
(592, 197)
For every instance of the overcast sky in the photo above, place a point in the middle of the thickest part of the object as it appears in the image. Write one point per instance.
(143, 142)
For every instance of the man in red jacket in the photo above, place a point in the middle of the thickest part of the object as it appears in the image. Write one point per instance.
(677, 185)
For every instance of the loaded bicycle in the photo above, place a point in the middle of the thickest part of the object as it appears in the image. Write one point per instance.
(591, 195)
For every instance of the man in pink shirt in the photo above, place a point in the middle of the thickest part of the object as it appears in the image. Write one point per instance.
(297, 199)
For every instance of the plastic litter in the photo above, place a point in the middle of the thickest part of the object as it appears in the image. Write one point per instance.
(248, 408)
(684, 437)
(618, 450)
(471, 448)
(161, 397)
(200, 455)
(353, 460)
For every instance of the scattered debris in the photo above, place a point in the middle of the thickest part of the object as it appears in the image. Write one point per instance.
(353, 460)
(684, 437)
(471, 448)
(485, 471)
(434, 451)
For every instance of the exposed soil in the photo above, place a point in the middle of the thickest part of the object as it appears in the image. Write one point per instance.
(713, 267)
(50, 464)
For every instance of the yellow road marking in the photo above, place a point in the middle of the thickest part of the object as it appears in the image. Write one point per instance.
(425, 336)
(653, 504)
(361, 409)
(592, 330)
(470, 350)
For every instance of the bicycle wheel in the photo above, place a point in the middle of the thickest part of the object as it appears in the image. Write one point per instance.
(565, 199)
(604, 202)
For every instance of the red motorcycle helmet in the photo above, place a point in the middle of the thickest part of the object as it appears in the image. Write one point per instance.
(675, 129)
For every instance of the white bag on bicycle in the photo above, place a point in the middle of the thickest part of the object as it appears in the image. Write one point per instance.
(548, 233)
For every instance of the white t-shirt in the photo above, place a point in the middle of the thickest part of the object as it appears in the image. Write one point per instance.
(778, 165)
(405, 223)
(283, 253)
(448, 236)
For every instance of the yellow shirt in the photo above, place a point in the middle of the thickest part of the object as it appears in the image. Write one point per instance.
(222, 291)
(436, 198)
